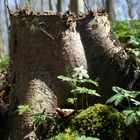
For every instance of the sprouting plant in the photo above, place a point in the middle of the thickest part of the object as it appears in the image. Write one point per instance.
(24, 108)
(27, 107)
(79, 78)
(132, 111)
(38, 117)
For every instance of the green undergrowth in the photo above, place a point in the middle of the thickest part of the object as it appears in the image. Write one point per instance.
(4, 63)
(128, 32)
(98, 122)
(101, 121)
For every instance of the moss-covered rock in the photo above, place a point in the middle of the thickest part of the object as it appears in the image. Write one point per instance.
(101, 121)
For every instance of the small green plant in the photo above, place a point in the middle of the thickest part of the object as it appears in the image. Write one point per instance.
(79, 78)
(38, 117)
(24, 108)
(27, 107)
(132, 110)
(101, 121)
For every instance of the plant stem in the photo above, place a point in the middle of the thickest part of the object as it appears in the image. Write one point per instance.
(75, 102)
(128, 102)
(82, 101)
(86, 101)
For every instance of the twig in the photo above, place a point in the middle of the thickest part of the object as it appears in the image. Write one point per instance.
(47, 33)
(7, 6)
(86, 5)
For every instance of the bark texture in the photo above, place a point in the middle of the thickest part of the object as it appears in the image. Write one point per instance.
(44, 46)
(106, 58)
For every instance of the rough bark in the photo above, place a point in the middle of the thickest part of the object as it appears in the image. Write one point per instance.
(44, 46)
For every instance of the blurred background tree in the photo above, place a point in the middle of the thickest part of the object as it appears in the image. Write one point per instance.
(117, 10)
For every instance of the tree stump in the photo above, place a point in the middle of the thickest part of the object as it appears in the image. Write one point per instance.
(44, 46)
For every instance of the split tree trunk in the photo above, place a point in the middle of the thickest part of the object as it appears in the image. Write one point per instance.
(106, 58)
(48, 45)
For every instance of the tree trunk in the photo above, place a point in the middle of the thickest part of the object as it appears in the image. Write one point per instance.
(42, 4)
(76, 6)
(39, 54)
(110, 9)
(59, 5)
(50, 5)
(16, 5)
(106, 58)
(129, 5)
(1, 35)
(45, 46)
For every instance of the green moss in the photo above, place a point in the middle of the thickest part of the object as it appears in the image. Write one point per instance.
(101, 121)
(72, 135)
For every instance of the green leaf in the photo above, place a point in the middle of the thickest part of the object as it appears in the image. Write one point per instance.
(71, 100)
(127, 112)
(131, 94)
(58, 137)
(40, 118)
(116, 98)
(119, 90)
(64, 78)
(132, 116)
(88, 81)
(136, 52)
(138, 113)
(130, 119)
(133, 40)
(93, 92)
(135, 102)
(83, 90)
(78, 90)
(137, 118)
(86, 138)
(24, 108)
(121, 94)
(119, 100)
(125, 93)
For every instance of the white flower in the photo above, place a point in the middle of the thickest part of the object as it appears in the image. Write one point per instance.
(80, 72)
